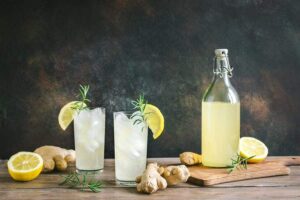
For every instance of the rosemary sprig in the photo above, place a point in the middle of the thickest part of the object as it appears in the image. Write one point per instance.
(140, 105)
(82, 104)
(238, 163)
(76, 180)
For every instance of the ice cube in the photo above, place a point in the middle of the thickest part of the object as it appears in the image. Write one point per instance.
(122, 124)
(137, 121)
(82, 118)
(121, 117)
(93, 145)
(140, 144)
(97, 115)
(135, 152)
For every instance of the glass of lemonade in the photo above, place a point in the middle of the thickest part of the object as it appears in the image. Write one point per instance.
(130, 147)
(89, 131)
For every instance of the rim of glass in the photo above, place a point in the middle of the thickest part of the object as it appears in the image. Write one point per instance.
(94, 108)
(126, 112)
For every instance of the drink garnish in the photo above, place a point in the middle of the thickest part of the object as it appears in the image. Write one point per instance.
(68, 111)
(140, 105)
(82, 104)
(149, 114)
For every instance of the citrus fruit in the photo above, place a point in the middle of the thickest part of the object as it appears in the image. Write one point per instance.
(154, 119)
(66, 114)
(250, 146)
(25, 166)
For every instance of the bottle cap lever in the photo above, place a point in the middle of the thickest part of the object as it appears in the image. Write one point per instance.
(221, 52)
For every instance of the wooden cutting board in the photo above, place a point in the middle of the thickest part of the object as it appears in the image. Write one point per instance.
(206, 176)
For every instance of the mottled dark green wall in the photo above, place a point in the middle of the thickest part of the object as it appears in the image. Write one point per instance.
(162, 48)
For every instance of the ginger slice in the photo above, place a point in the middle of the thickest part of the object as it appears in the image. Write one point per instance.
(190, 158)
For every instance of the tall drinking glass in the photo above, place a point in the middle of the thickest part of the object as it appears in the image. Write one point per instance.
(130, 147)
(89, 131)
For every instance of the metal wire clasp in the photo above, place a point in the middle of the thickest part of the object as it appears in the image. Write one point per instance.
(224, 68)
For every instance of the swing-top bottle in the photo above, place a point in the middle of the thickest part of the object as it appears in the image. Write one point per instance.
(220, 115)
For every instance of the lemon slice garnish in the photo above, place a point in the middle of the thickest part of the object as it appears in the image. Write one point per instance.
(66, 115)
(154, 119)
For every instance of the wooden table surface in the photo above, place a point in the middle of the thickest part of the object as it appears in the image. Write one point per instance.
(46, 187)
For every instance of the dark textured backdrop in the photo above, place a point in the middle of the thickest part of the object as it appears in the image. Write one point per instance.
(161, 48)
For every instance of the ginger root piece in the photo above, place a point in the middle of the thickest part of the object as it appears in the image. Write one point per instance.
(155, 177)
(176, 174)
(55, 157)
(190, 158)
(151, 180)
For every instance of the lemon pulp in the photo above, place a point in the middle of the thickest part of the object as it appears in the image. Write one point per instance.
(25, 166)
(250, 146)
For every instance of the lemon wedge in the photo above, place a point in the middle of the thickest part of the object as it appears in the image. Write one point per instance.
(154, 119)
(66, 115)
(250, 146)
(25, 166)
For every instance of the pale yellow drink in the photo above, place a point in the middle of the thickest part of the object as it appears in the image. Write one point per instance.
(220, 133)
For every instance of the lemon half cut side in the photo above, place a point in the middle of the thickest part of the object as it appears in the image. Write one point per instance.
(250, 146)
(25, 166)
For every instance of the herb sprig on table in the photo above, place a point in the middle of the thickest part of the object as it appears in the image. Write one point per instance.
(238, 163)
(82, 104)
(80, 181)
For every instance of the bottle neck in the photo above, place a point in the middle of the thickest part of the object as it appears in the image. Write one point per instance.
(224, 80)
(222, 68)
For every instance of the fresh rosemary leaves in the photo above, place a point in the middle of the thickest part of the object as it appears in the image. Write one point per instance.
(80, 181)
(140, 105)
(238, 163)
(82, 104)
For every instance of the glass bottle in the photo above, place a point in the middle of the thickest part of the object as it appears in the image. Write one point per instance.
(220, 115)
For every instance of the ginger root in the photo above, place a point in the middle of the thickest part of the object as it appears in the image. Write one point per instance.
(176, 174)
(55, 157)
(151, 180)
(190, 158)
(155, 177)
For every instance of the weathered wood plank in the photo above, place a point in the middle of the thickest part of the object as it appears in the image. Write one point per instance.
(169, 193)
(51, 180)
(46, 187)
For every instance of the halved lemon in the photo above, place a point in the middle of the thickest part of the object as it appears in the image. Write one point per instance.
(66, 115)
(25, 166)
(250, 146)
(154, 119)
